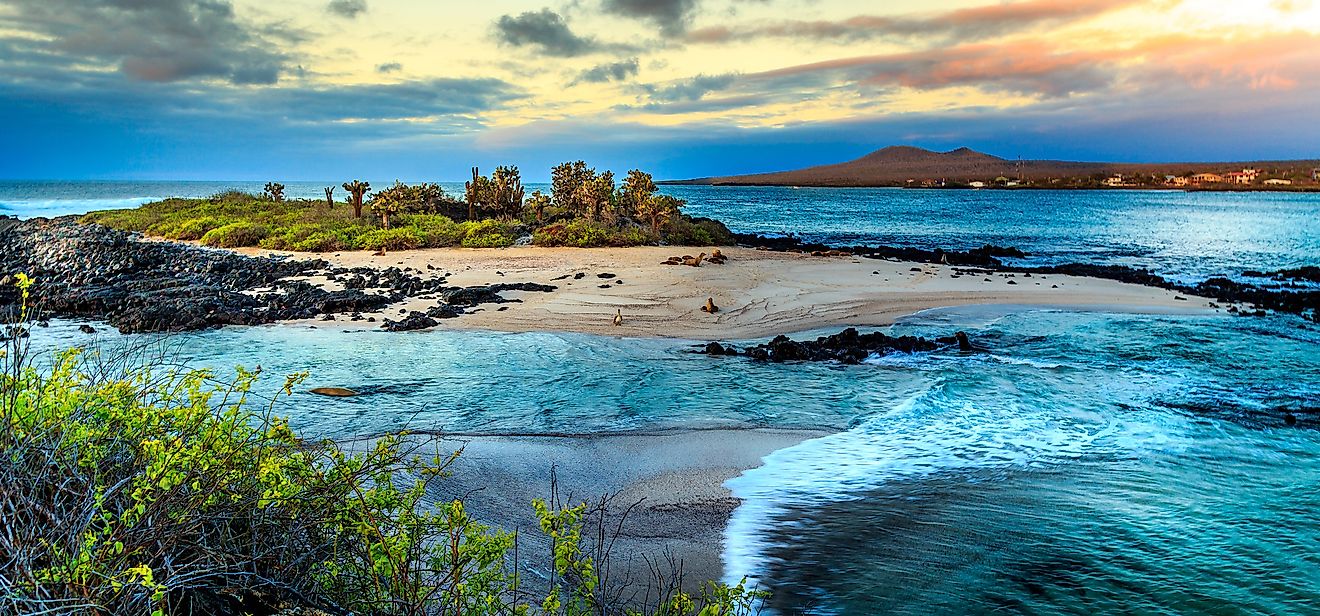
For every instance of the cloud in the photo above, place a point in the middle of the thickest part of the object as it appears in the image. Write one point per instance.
(1025, 67)
(544, 29)
(690, 89)
(610, 71)
(671, 16)
(962, 24)
(409, 100)
(155, 40)
(389, 67)
(347, 8)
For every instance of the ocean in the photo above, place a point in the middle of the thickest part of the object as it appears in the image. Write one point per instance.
(1185, 236)
(1090, 462)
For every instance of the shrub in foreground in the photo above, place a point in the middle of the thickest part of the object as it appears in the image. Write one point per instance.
(133, 486)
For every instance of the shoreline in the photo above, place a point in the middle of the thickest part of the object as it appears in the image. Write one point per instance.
(670, 484)
(780, 287)
(759, 293)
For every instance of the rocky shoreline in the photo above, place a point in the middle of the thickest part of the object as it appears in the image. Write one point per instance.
(91, 271)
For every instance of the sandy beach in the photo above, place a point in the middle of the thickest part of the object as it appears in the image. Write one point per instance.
(670, 484)
(759, 293)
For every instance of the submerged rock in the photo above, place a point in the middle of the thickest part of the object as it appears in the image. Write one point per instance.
(334, 392)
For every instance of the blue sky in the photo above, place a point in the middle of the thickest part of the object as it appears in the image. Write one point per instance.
(322, 89)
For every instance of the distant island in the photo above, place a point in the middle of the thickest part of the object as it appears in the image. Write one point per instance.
(908, 166)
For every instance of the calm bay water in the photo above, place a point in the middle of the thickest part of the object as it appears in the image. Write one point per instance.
(1090, 463)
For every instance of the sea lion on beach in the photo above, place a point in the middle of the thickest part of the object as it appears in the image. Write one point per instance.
(710, 306)
(716, 257)
(694, 261)
(618, 317)
(379, 253)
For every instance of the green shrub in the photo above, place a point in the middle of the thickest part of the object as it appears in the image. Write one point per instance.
(236, 235)
(436, 231)
(578, 233)
(325, 241)
(194, 228)
(399, 238)
(487, 234)
(234, 219)
(133, 487)
(631, 236)
(687, 231)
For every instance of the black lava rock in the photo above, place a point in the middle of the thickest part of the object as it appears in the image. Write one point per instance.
(848, 346)
(415, 320)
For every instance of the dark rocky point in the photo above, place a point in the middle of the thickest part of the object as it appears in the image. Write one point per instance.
(91, 271)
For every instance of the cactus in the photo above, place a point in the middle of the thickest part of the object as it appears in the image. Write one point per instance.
(275, 191)
(357, 189)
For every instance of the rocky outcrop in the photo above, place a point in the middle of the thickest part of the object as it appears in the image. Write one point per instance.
(415, 320)
(1303, 302)
(90, 271)
(985, 256)
(848, 346)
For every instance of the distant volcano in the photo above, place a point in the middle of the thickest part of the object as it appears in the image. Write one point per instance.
(897, 164)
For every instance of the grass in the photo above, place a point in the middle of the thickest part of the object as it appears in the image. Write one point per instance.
(237, 220)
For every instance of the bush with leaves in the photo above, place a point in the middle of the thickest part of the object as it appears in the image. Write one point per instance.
(488, 234)
(404, 199)
(402, 238)
(686, 231)
(135, 485)
(236, 235)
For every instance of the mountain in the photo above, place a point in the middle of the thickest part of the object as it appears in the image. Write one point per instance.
(895, 165)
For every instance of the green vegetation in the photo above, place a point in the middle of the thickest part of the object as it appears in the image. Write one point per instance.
(584, 209)
(234, 220)
(133, 486)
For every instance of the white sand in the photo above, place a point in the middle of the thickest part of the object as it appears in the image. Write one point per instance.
(759, 293)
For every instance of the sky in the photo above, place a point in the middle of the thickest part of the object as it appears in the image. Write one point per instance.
(426, 89)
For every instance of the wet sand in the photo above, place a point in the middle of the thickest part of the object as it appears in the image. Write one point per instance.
(669, 483)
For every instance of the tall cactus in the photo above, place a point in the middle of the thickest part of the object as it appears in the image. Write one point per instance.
(358, 189)
(506, 184)
(473, 192)
(330, 197)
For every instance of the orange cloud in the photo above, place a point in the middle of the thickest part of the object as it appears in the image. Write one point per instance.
(1051, 69)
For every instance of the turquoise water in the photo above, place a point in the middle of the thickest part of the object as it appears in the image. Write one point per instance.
(1089, 463)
